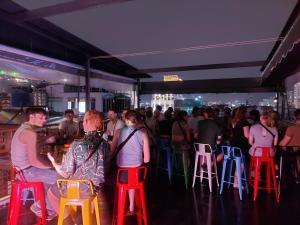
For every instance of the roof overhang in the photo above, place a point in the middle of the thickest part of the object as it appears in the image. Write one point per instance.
(285, 61)
(241, 85)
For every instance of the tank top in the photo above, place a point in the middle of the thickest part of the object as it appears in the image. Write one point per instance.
(131, 154)
(19, 153)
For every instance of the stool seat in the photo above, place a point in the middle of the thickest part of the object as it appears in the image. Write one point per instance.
(18, 186)
(135, 180)
(73, 199)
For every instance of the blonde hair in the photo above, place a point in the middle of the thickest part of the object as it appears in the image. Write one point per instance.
(270, 117)
(95, 118)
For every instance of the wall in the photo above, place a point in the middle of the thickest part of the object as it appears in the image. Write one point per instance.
(60, 104)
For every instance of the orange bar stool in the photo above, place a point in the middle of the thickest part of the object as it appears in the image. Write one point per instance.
(136, 178)
(18, 185)
(257, 160)
(73, 199)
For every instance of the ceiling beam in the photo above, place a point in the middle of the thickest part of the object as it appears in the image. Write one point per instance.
(199, 67)
(58, 9)
(241, 85)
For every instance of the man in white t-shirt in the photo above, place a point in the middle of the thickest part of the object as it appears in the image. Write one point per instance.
(113, 128)
(69, 129)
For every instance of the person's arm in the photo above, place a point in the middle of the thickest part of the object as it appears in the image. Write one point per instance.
(287, 137)
(146, 147)
(219, 139)
(188, 134)
(219, 135)
(56, 166)
(68, 165)
(251, 137)
(77, 132)
(246, 131)
(196, 136)
(284, 142)
(29, 138)
(115, 140)
(61, 130)
(275, 141)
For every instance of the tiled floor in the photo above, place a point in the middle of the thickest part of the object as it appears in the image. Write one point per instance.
(172, 204)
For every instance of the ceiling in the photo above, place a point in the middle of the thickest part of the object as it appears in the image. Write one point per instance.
(194, 39)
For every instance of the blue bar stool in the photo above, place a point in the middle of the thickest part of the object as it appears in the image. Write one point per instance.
(165, 147)
(234, 154)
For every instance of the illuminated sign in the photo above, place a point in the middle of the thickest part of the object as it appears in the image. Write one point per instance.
(171, 78)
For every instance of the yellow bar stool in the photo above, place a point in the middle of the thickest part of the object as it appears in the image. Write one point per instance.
(72, 199)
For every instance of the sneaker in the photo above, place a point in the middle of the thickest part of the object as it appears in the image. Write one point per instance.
(38, 212)
(237, 187)
(129, 213)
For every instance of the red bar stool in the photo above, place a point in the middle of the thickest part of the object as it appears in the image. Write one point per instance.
(255, 165)
(17, 187)
(135, 182)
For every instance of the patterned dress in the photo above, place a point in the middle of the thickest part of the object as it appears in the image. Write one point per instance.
(85, 159)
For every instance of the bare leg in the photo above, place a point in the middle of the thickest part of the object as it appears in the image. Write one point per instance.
(54, 201)
(298, 165)
(220, 157)
(235, 182)
(131, 193)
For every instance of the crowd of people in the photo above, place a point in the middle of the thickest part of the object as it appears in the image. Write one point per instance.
(134, 138)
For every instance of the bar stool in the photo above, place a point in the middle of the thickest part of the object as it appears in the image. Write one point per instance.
(165, 147)
(234, 154)
(204, 152)
(73, 199)
(18, 185)
(255, 165)
(183, 154)
(136, 178)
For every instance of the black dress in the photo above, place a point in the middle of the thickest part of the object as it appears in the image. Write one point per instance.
(238, 139)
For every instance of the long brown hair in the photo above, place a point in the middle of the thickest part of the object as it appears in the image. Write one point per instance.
(133, 117)
(239, 115)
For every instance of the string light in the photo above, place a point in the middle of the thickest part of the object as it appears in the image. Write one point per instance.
(195, 48)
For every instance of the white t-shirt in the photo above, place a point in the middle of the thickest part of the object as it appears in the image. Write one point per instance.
(69, 129)
(112, 127)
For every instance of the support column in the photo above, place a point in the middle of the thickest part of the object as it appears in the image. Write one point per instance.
(87, 85)
(282, 106)
(138, 92)
(277, 101)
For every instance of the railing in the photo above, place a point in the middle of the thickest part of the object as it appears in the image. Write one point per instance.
(6, 135)
(5, 139)
(5, 184)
